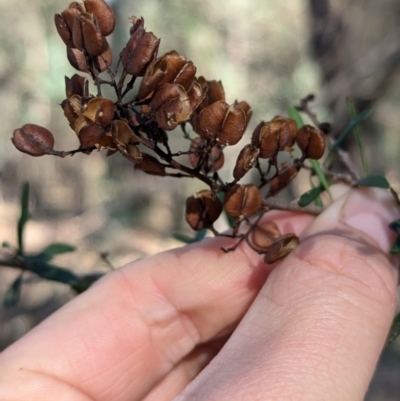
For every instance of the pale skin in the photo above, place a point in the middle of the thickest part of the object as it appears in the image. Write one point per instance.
(197, 324)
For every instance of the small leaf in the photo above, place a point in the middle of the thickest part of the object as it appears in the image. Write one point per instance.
(378, 181)
(395, 246)
(189, 240)
(24, 215)
(395, 226)
(357, 133)
(310, 196)
(200, 235)
(12, 295)
(353, 123)
(394, 330)
(58, 248)
(6, 244)
(295, 115)
(321, 176)
(395, 195)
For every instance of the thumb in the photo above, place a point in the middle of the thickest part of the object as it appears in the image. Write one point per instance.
(317, 327)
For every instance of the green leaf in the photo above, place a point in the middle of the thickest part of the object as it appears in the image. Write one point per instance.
(294, 114)
(24, 217)
(353, 123)
(395, 226)
(395, 246)
(310, 196)
(357, 134)
(395, 195)
(378, 181)
(12, 295)
(6, 244)
(320, 174)
(48, 253)
(189, 240)
(394, 330)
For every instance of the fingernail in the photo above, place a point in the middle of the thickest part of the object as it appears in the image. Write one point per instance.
(368, 210)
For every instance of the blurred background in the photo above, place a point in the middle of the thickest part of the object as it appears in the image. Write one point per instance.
(268, 53)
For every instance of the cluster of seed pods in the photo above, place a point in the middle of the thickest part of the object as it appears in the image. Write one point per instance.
(137, 125)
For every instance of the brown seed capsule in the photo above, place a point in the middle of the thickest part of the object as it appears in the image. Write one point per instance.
(287, 173)
(242, 201)
(245, 161)
(274, 136)
(265, 140)
(221, 122)
(281, 247)
(196, 95)
(243, 105)
(33, 140)
(76, 85)
(210, 161)
(202, 210)
(102, 62)
(287, 128)
(86, 34)
(140, 50)
(77, 59)
(100, 110)
(151, 165)
(264, 235)
(90, 135)
(123, 135)
(103, 13)
(171, 106)
(170, 68)
(131, 152)
(311, 142)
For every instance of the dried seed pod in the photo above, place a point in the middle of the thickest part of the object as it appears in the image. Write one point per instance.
(64, 23)
(69, 113)
(100, 110)
(63, 30)
(264, 235)
(281, 247)
(132, 153)
(211, 161)
(170, 68)
(171, 106)
(265, 140)
(140, 50)
(151, 165)
(242, 201)
(196, 95)
(287, 128)
(286, 174)
(77, 59)
(245, 161)
(123, 135)
(202, 210)
(90, 135)
(105, 16)
(311, 142)
(274, 136)
(214, 92)
(221, 122)
(33, 140)
(243, 105)
(76, 85)
(102, 62)
(86, 34)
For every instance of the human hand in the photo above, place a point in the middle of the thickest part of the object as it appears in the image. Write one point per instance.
(310, 327)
